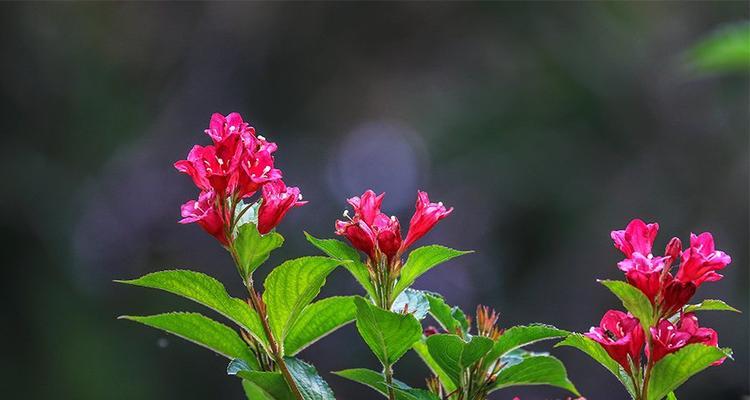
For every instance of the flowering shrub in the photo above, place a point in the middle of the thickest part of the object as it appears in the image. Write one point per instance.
(469, 357)
(657, 344)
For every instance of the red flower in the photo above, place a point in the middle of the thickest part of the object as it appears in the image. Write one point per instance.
(668, 338)
(675, 295)
(424, 219)
(203, 212)
(237, 164)
(257, 165)
(701, 260)
(358, 233)
(637, 237)
(621, 336)
(388, 234)
(278, 199)
(429, 331)
(673, 250)
(709, 337)
(367, 206)
(221, 128)
(644, 273)
(374, 232)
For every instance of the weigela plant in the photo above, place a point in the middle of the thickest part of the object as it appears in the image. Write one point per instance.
(273, 325)
(466, 365)
(657, 344)
(242, 198)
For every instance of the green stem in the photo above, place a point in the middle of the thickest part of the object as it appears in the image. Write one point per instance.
(274, 347)
(388, 372)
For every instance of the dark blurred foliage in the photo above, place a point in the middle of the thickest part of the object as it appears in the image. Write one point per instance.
(546, 125)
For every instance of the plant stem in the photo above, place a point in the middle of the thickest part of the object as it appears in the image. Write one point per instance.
(261, 310)
(275, 350)
(388, 372)
(646, 378)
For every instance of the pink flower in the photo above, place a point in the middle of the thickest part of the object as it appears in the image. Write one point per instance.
(370, 230)
(236, 165)
(359, 234)
(637, 237)
(367, 206)
(375, 233)
(621, 335)
(673, 250)
(388, 234)
(257, 165)
(644, 273)
(221, 128)
(424, 219)
(707, 336)
(203, 212)
(210, 170)
(278, 199)
(701, 260)
(668, 338)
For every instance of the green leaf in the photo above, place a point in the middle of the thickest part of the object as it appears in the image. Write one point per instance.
(422, 260)
(710, 304)
(260, 385)
(727, 49)
(310, 384)
(370, 378)
(442, 312)
(519, 336)
(341, 251)
(413, 301)
(674, 369)
(536, 370)
(421, 349)
(253, 248)
(389, 335)
(633, 300)
(200, 330)
(290, 287)
(265, 386)
(454, 355)
(318, 320)
(376, 380)
(597, 352)
(207, 291)
(671, 396)
(414, 394)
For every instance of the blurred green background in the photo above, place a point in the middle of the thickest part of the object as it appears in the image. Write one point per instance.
(546, 125)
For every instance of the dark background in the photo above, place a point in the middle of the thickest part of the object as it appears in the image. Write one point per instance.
(546, 125)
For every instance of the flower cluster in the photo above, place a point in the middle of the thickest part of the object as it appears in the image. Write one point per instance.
(651, 274)
(621, 334)
(378, 235)
(234, 167)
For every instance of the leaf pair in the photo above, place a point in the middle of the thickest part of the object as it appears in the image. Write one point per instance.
(448, 356)
(289, 290)
(419, 261)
